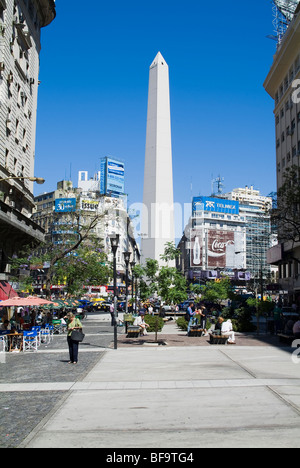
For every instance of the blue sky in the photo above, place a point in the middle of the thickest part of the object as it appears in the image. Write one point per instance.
(94, 75)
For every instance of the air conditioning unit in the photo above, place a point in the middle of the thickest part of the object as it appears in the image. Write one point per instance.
(10, 77)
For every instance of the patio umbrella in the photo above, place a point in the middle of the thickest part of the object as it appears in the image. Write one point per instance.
(24, 301)
(72, 302)
(55, 304)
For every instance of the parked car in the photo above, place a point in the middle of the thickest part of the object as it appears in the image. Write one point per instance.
(184, 305)
(105, 306)
(121, 306)
(86, 305)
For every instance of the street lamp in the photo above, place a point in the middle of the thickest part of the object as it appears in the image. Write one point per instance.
(132, 264)
(127, 256)
(261, 279)
(38, 180)
(114, 240)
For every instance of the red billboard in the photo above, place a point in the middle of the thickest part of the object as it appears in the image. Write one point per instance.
(219, 247)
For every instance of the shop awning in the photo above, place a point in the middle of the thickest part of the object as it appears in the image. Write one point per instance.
(6, 291)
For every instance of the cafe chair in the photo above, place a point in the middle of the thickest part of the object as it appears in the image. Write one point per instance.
(58, 328)
(4, 340)
(38, 329)
(47, 333)
(30, 340)
(3, 343)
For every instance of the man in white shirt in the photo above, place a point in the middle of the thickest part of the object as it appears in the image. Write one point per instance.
(140, 322)
(227, 330)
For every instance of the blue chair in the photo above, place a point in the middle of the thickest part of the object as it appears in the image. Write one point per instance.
(47, 333)
(37, 328)
(30, 340)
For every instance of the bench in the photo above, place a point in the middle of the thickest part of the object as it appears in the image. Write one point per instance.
(285, 338)
(132, 331)
(196, 331)
(218, 339)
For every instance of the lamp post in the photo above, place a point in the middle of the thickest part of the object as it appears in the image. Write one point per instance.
(114, 240)
(132, 264)
(127, 256)
(38, 180)
(137, 256)
(261, 279)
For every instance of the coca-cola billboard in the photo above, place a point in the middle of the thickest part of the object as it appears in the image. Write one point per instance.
(196, 248)
(220, 246)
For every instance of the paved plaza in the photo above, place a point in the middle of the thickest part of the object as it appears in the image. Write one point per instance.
(154, 396)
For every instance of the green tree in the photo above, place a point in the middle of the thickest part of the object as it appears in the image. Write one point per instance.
(85, 266)
(285, 214)
(217, 291)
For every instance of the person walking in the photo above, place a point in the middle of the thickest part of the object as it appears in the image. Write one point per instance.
(204, 315)
(190, 316)
(73, 323)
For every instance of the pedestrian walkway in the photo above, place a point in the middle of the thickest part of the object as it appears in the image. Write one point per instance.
(179, 397)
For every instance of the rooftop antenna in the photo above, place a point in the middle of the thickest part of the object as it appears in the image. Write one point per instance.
(283, 14)
(218, 183)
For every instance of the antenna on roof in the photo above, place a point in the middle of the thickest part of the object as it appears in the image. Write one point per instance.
(283, 14)
(218, 183)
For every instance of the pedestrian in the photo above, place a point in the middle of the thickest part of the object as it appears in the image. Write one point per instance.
(112, 313)
(190, 316)
(227, 330)
(204, 314)
(73, 323)
(296, 328)
(218, 325)
(140, 322)
(150, 310)
(5, 325)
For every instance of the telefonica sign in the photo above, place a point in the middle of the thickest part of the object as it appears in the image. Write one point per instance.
(217, 205)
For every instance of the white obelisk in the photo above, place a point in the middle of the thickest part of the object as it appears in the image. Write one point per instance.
(158, 203)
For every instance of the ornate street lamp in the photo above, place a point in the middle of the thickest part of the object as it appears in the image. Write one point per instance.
(127, 256)
(114, 240)
(132, 264)
(38, 180)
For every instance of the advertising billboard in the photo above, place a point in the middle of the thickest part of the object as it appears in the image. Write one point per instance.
(112, 176)
(216, 205)
(65, 205)
(220, 245)
(217, 248)
(87, 204)
(196, 250)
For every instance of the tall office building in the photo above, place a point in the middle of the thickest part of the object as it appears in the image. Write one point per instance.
(158, 202)
(255, 212)
(282, 84)
(20, 32)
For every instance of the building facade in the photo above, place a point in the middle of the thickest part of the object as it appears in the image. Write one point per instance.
(21, 22)
(214, 242)
(54, 214)
(255, 209)
(283, 85)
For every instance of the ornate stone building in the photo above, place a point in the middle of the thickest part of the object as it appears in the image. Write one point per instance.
(20, 29)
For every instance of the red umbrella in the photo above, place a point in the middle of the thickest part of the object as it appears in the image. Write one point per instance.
(24, 301)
